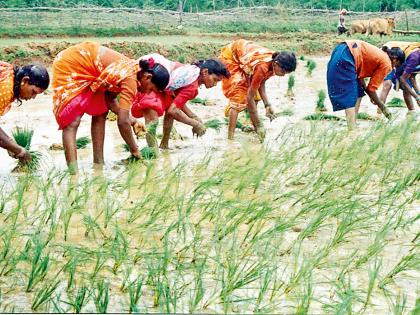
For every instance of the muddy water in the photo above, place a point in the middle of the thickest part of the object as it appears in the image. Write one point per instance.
(37, 114)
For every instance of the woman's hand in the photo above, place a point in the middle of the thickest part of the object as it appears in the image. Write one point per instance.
(136, 153)
(199, 129)
(269, 112)
(24, 156)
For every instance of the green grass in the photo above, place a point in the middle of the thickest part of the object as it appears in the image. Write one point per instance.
(233, 231)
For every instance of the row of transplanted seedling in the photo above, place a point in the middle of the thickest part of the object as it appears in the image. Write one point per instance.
(321, 223)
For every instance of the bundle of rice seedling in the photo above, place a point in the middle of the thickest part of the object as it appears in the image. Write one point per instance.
(202, 101)
(320, 106)
(321, 116)
(215, 124)
(290, 85)
(82, 142)
(23, 137)
(147, 153)
(364, 116)
(311, 65)
(396, 102)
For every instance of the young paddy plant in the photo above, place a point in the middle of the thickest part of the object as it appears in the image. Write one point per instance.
(215, 124)
(101, 296)
(39, 264)
(134, 293)
(44, 295)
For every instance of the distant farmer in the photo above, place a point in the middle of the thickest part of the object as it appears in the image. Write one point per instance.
(351, 62)
(183, 87)
(404, 77)
(341, 27)
(87, 78)
(250, 66)
(17, 84)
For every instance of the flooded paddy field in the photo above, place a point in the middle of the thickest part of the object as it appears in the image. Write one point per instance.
(315, 220)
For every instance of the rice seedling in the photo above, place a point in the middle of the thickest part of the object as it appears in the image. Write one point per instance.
(101, 296)
(23, 137)
(396, 102)
(82, 142)
(44, 294)
(373, 276)
(286, 112)
(134, 293)
(302, 57)
(39, 265)
(147, 153)
(320, 106)
(321, 116)
(364, 116)
(290, 86)
(202, 101)
(78, 301)
(410, 261)
(310, 65)
(215, 124)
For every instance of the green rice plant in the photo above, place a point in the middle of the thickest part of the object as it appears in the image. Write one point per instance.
(398, 304)
(321, 116)
(320, 106)
(198, 291)
(119, 249)
(39, 265)
(290, 85)
(305, 300)
(410, 261)
(152, 127)
(215, 124)
(286, 112)
(364, 116)
(79, 300)
(373, 276)
(82, 142)
(134, 293)
(202, 101)
(101, 296)
(310, 65)
(302, 57)
(43, 295)
(396, 102)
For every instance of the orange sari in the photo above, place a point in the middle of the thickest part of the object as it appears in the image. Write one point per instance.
(249, 65)
(79, 67)
(6, 87)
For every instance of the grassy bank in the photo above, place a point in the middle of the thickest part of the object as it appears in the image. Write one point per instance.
(187, 48)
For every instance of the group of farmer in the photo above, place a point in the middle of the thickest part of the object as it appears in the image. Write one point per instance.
(88, 78)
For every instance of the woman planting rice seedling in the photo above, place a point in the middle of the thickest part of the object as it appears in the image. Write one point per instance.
(351, 62)
(250, 66)
(87, 79)
(183, 87)
(404, 75)
(17, 84)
